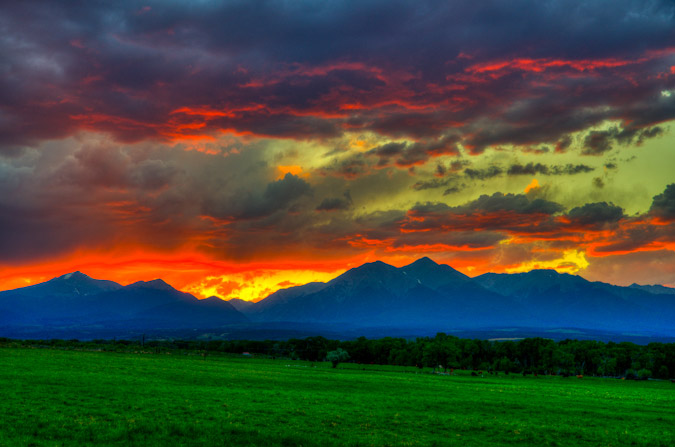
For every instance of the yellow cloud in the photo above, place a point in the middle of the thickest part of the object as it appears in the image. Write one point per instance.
(254, 285)
(571, 262)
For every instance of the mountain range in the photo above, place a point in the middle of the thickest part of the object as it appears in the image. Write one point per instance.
(76, 300)
(420, 297)
(426, 294)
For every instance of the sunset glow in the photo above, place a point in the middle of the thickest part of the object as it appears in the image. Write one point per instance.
(238, 148)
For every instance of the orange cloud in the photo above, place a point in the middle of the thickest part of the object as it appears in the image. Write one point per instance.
(534, 184)
(290, 169)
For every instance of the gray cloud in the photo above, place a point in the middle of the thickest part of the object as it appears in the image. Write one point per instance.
(409, 154)
(663, 204)
(539, 168)
(483, 174)
(349, 167)
(336, 203)
(252, 205)
(518, 203)
(596, 213)
(434, 183)
(598, 142)
(147, 73)
(563, 144)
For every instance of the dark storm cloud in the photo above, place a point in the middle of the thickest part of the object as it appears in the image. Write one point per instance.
(112, 167)
(570, 169)
(453, 180)
(516, 203)
(386, 151)
(410, 154)
(564, 144)
(458, 165)
(99, 195)
(496, 171)
(528, 169)
(249, 204)
(409, 70)
(441, 77)
(452, 184)
(630, 234)
(401, 154)
(333, 204)
(284, 191)
(649, 133)
(601, 228)
(336, 203)
(453, 189)
(434, 183)
(28, 233)
(638, 237)
(349, 167)
(663, 204)
(497, 217)
(483, 174)
(61, 199)
(596, 214)
(598, 142)
(539, 168)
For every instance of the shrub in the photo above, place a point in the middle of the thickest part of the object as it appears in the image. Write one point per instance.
(337, 356)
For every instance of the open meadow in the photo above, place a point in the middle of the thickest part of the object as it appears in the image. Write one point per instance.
(73, 398)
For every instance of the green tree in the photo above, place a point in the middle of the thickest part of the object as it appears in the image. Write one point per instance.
(440, 351)
(337, 356)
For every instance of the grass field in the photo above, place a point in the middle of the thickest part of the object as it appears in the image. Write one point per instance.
(70, 398)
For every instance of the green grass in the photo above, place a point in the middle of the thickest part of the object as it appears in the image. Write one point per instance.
(70, 398)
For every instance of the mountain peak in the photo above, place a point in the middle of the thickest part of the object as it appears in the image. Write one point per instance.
(371, 266)
(73, 276)
(433, 275)
(377, 263)
(423, 262)
(368, 268)
(214, 301)
(71, 283)
(157, 284)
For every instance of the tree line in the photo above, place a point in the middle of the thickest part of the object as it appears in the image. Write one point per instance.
(526, 356)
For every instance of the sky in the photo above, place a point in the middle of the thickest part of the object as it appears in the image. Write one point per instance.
(234, 148)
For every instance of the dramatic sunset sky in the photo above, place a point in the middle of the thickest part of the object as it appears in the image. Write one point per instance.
(234, 148)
